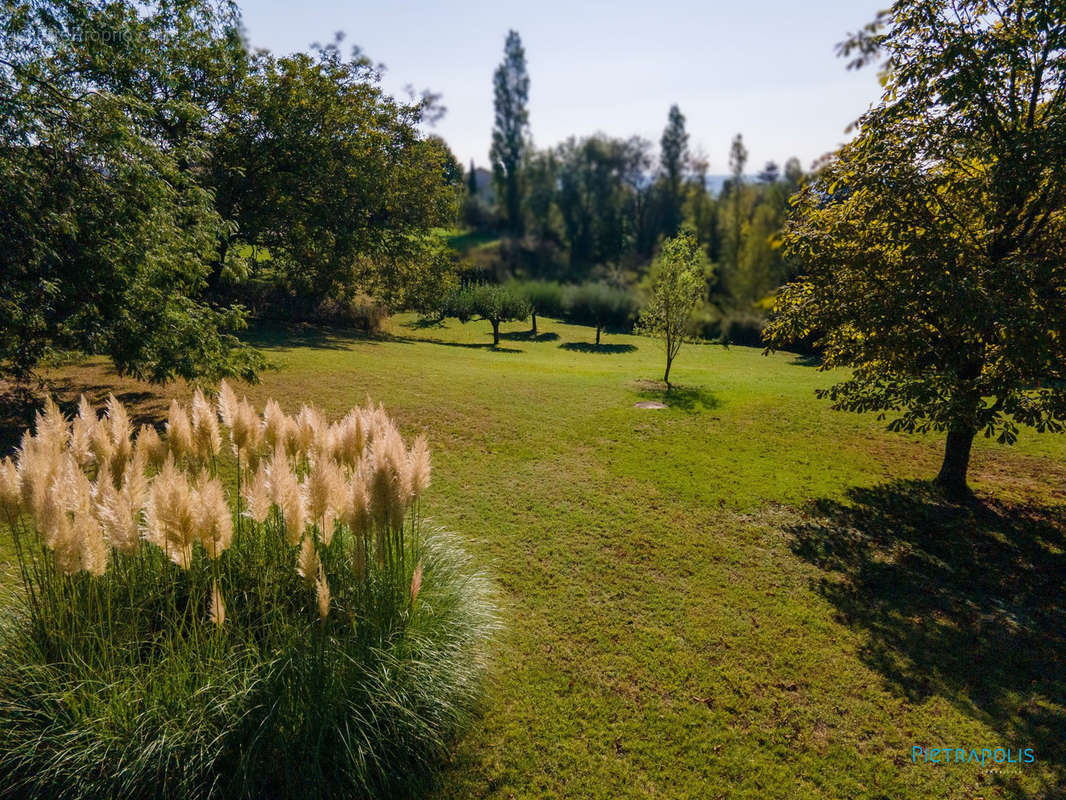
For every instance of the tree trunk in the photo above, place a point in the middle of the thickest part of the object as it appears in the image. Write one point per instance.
(597, 335)
(534, 331)
(952, 477)
(495, 333)
(214, 278)
(666, 375)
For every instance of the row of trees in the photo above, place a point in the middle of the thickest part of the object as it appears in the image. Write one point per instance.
(675, 289)
(154, 172)
(600, 206)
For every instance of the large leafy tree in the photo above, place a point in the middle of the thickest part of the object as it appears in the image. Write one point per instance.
(317, 166)
(934, 243)
(599, 196)
(510, 131)
(105, 233)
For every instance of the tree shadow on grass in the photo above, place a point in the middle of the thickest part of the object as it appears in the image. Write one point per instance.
(19, 408)
(527, 336)
(691, 399)
(806, 361)
(588, 347)
(446, 343)
(966, 602)
(278, 336)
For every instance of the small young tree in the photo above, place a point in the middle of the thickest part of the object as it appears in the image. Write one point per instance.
(600, 305)
(677, 287)
(493, 303)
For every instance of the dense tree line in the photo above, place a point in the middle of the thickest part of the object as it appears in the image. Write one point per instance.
(599, 207)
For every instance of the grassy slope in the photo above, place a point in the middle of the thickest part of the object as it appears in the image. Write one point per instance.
(682, 622)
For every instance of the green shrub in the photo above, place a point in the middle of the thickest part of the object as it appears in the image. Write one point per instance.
(320, 643)
(600, 305)
(545, 298)
(743, 329)
(360, 312)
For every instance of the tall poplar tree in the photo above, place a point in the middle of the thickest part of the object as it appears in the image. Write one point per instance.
(510, 132)
(673, 157)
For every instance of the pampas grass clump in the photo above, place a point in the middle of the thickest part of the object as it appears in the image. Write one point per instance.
(301, 633)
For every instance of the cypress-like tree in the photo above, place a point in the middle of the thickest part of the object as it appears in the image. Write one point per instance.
(673, 157)
(510, 132)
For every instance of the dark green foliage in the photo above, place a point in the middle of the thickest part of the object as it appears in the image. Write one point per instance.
(331, 176)
(510, 132)
(106, 234)
(600, 305)
(601, 198)
(545, 297)
(935, 243)
(673, 148)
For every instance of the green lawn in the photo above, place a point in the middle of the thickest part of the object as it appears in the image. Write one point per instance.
(745, 595)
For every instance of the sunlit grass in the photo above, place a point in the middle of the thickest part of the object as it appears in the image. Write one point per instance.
(666, 636)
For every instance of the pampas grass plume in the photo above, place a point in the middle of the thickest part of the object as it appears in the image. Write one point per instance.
(179, 431)
(206, 437)
(218, 606)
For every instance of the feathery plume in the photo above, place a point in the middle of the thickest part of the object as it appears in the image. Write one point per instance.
(206, 437)
(112, 512)
(179, 431)
(227, 404)
(350, 439)
(322, 593)
(153, 448)
(391, 484)
(286, 493)
(51, 426)
(81, 433)
(291, 438)
(307, 563)
(274, 424)
(68, 493)
(214, 524)
(119, 431)
(10, 495)
(245, 428)
(36, 466)
(324, 488)
(116, 517)
(418, 459)
(94, 549)
(416, 583)
(257, 495)
(170, 518)
(218, 606)
(103, 450)
(309, 429)
(356, 512)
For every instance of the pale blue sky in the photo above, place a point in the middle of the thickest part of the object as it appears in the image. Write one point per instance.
(764, 68)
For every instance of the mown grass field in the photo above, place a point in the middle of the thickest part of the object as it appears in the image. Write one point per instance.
(745, 595)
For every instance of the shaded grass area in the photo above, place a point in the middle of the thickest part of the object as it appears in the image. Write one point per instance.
(963, 603)
(701, 601)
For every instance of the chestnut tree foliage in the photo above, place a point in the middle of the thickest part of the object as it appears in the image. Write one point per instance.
(934, 243)
(145, 152)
